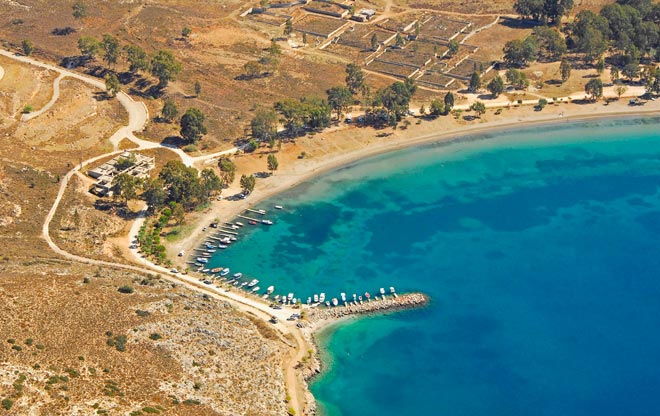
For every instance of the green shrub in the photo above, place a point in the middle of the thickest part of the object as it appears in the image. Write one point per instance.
(155, 336)
(125, 289)
(29, 342)
(17, 347)
(27, 109)
(7, 404)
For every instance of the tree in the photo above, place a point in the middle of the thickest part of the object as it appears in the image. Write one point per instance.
(182, 184)
(165, 67)
(437, 108)
(449, 101)
(178, 213)
(126, 186)
(354, 78)
(112, 85)
(198, 88)
(210, 182)
(594, 88)
(374, 42)
(452, 47)
(565, 70)
(273, 164)
(631, 70)
(600, 66)
(252, 69)
(79, 10)
(88, 46)
(551, 43)
(185, 32)
(620, 90)
(288, 27)
(614, 74)
(518, 53)
(247, 183)
(541, 104)
(110, 48)
(169, 111)
(475, 82)
(340, 99)
(396, 99)
(304, 38)
(227, 171)
(517, 78)
(274, 49)
(192, 125)
(137, 58)
(543, 10)
(264, 125)
(479, 108)
(28, 47)
(154, 194)
(398, 40)
(590, 33)
(555, 9)
(496, 86)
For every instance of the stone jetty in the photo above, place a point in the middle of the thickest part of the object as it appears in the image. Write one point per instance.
(379, 305)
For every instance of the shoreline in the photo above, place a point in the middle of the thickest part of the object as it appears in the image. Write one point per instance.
(306, 369)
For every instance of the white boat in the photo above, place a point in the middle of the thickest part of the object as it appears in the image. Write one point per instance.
(206, 270)
(222, 246)
(392, 290)
(240, 224)
(265, 296)
(256, 289)
(316, 298)
(253, 282)
(244, 283)
(322, 298)
(343, 297)
(211, 250)
(270, 289)
(202, 260)
(267, 222)
(335, 302)
(261, 211)
(277, 297)
(238, 275)
(327, 303)
(309, 300)
(354, 297)
(224, 272)
(382, 291)
(290, 296)
(279, 207)
(360, 298)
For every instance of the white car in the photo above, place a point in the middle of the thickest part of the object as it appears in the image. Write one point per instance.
(180, 253)
(174, 270)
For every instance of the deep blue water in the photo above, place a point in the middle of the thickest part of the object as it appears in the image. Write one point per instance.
(540, 251)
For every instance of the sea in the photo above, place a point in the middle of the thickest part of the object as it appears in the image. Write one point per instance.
(539, 248)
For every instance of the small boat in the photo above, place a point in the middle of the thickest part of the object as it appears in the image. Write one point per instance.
(316, 298)
(392, 289)
(223, 246)
(265, 296)
(335, 302)
(382, 291)
(343, 297)
(277, 297)
(256, 289)
(267, 222)
(240, 224)
(290, 296)
(253, 223)
(354, 297)
(367, 295)
(211, 251)
(253, 282)
(202, 260)
(270, 289)
(327, 303)
(224, 272)
(244, 284)
(279, 207)
(217, 270)
(205, 270)
(322, 298)
(238, 275)
(309, 300)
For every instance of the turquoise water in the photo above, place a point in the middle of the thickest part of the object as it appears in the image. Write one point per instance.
(540, 251)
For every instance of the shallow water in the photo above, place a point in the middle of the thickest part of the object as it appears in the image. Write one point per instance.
(539, 249)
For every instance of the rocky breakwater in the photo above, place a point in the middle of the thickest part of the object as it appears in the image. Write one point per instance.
(317, 318)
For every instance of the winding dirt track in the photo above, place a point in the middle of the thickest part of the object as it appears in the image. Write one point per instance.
(138, 117)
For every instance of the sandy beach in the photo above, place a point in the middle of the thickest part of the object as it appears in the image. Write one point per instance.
(350, 144)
